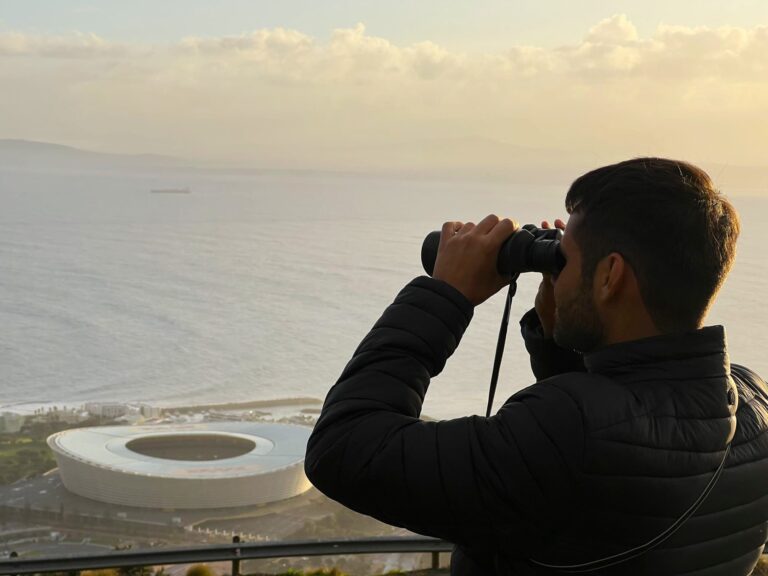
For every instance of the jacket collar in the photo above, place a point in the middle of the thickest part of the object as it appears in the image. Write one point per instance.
(702, 352)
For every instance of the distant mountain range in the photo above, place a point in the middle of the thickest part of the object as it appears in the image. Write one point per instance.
(450, 158)
(446, 159)
(43, 156)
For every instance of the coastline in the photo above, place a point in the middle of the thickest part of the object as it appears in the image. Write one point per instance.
(229, 406)
(29, 409)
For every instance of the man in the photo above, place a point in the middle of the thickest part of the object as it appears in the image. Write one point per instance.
(635, 407)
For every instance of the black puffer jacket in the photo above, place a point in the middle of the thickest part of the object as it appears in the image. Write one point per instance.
(579, 466)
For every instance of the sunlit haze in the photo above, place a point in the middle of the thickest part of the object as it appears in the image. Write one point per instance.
(274, 90)
(205, 206)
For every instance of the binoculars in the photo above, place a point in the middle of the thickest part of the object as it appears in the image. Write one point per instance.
(529, 249)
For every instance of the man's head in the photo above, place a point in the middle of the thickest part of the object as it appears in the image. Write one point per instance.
(650, 234)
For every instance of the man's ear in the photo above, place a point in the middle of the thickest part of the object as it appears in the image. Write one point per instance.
(610, 276)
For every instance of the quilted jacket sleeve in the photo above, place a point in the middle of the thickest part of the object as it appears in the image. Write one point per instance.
(547, 358)
(498, 483)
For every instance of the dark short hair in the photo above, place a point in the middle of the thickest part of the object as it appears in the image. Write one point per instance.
(665, 217)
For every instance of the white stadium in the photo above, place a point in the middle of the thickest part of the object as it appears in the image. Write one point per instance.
(188, 466)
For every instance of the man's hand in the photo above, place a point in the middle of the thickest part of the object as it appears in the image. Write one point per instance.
(466, 257)
(545, 298)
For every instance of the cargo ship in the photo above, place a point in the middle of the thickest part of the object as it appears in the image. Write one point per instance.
(170, 191)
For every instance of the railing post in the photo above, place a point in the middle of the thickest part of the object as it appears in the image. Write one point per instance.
(236, 561)
(435, 560)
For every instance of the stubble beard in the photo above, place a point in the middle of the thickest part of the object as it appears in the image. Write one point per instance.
(577, 324)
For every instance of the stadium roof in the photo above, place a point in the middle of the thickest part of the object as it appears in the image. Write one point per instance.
(277, 446)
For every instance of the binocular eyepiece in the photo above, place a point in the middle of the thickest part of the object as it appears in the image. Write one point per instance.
(529, 249)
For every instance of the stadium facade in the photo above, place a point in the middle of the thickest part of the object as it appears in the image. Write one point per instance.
(184, 466)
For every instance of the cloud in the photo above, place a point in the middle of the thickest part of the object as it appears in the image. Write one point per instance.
(77, 45)
(279, 97)
(616, 30)
(722, 52)
(350, 55)
(278, 43)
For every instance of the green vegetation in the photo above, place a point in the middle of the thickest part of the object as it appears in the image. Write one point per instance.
(128, 571)
(318, 572)
(337, 572)
(343, 523)
(22, 457)
(203, 570)
(26, 454)
(200, 570)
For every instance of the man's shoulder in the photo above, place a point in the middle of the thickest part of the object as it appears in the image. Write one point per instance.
(599, 400)
(596, 399)
(579, 388)
(752, 411)
(751, 388)
(749, 378)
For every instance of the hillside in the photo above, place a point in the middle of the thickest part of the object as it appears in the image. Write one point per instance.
(33, 156)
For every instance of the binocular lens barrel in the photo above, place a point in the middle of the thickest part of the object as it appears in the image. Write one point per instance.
(529, 249)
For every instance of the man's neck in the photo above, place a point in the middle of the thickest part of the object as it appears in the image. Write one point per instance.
(629, 325)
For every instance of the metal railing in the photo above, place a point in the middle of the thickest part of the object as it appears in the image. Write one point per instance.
(234, 553)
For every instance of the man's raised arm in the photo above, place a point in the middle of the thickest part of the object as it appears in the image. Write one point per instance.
(487, 483)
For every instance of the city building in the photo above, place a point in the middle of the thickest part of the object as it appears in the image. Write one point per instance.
(150, 411)
(10, 422)
(106, 409)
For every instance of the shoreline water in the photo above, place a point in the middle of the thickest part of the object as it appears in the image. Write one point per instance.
(230, 406)
(29, 408)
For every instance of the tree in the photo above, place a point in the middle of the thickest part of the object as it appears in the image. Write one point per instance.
(134, 571)
(200, 570)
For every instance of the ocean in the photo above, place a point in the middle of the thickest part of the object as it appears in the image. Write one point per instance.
(261, 286)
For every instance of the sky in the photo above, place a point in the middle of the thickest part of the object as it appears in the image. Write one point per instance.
(398, 85)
